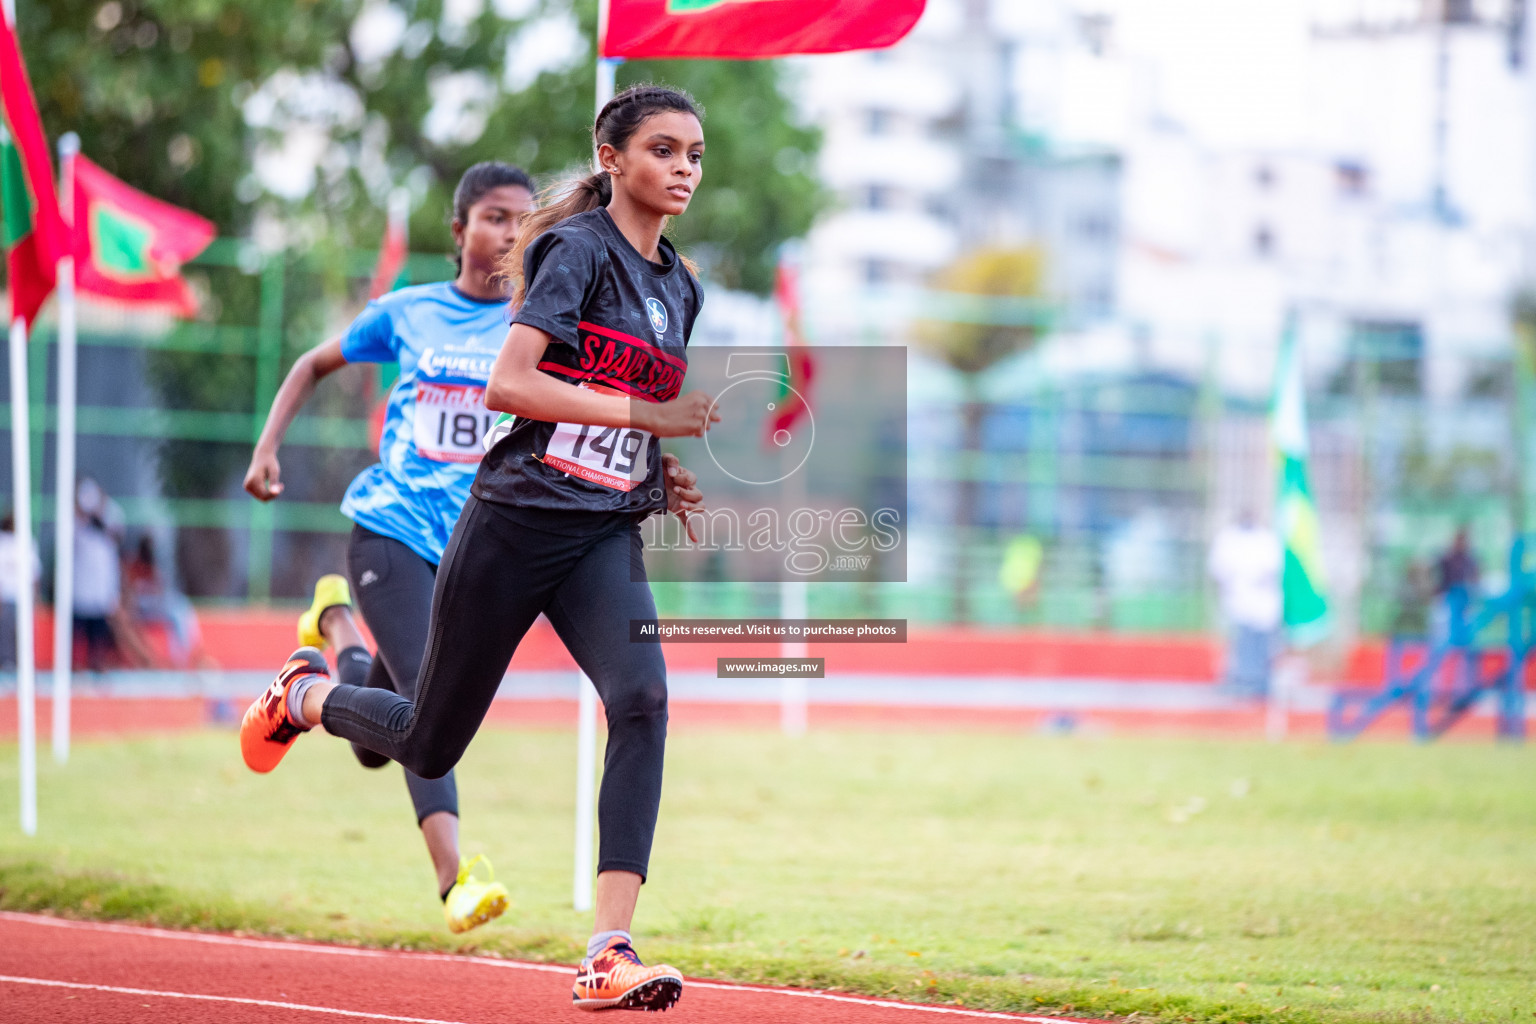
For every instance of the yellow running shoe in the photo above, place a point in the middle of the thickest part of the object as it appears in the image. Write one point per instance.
(331, 591)
(471, 902)
(615, 979)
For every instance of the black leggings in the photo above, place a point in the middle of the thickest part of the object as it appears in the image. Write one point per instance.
(503, 566)
(393, 587)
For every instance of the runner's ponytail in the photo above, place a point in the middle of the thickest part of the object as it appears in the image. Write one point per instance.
(616, 124)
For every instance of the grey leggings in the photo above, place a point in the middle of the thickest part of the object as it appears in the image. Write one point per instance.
(393, 588)
(504, 566)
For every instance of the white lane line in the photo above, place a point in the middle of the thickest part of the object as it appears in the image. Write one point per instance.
(304, 947)
(156, 993)
(278, 945)
(885, 1003)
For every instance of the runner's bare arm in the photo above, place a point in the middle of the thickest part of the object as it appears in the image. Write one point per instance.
(519, 387)
(683, 494)
(262, 479)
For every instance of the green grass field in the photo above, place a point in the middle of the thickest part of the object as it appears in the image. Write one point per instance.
(1178, 880)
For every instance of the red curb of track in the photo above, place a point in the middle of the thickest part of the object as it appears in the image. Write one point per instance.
(108, 718)
(52, 969)
(259, 637)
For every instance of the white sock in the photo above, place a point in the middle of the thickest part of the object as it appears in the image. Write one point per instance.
(598, 941)
(296, 694)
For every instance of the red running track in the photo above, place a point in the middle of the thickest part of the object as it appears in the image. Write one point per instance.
(54, 970)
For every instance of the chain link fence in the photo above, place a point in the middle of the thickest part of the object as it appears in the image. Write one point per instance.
(1089, 503)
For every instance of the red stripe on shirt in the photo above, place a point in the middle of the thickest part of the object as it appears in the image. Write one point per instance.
(600, 378)
(632, 340)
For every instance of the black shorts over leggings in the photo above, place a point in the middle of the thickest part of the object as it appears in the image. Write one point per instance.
(503, 566)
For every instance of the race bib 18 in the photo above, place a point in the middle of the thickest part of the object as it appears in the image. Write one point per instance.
(450, 421)
(610, 456)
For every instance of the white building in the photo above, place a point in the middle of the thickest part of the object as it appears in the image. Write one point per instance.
(1194, 174)
(1360, 224)
(928, 159)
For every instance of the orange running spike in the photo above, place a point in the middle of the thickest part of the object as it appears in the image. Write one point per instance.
(267, 731)
(615, 979)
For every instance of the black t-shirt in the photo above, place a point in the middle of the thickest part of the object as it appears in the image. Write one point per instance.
(620, 323)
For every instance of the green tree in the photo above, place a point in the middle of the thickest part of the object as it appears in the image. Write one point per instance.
(974, 343)
(186, 98)
(972, 340)
(178, 97)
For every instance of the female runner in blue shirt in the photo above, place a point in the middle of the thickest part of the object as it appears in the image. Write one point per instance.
(445, 337)
(592, 371)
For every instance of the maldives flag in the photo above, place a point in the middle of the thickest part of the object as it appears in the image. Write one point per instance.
(392, 254)
(34, 233)
(130, 246)
(747, 29)
(386, 274)
(794, 391)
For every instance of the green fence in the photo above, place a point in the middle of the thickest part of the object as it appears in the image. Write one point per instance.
(266, 341)
(1120, 480)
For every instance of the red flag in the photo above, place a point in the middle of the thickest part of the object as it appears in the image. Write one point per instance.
(130, 246)
(794, 393)
(746, 29)
(391, 258)
(386, 275)
(34, 233)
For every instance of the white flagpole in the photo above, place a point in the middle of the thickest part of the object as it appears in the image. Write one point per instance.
(399, 214)
(794, 691)
(397, 217)
(21, 489)
(586, 793)
(794, 599)
(586, 704)
(64, 467)
(794, 603)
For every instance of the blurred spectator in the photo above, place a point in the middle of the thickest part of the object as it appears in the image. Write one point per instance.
(152, 600)
(1139, 556)
(1246, 562)
(1415, 591)
(8, 591)
(1456, 578)
(98, 572)
(1019, 573)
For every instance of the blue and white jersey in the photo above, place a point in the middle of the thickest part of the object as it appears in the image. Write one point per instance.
(445, 343)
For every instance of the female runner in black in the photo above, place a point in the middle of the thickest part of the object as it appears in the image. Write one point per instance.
(592, 372)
